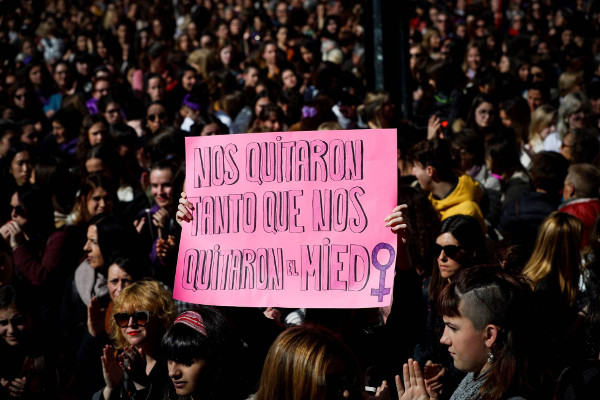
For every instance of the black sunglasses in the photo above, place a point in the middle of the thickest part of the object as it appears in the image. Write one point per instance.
(140, 318)
(152, 117)
(18, 320)
(20, 211)
(450, 250)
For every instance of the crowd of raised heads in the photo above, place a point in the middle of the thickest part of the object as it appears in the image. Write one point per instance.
(496, 288)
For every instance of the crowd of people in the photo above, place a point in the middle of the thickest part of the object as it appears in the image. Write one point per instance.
(496, 288)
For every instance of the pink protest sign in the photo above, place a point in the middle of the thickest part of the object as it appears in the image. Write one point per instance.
(292, 219)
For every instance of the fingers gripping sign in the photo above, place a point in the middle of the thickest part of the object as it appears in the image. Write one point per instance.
(184, 210)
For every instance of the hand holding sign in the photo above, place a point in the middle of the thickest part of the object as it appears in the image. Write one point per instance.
(289, 219)
(184, 210)
(398, 223)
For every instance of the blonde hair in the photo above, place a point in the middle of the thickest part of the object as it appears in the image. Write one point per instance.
(147, 295)
(556, 253)
(542, 117)
(203, 60)
(330, 126)
(568, 81)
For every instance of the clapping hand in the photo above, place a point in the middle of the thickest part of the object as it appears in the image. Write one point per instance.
(414, 384)
(133, 361)
(96, 316)
(16, 387)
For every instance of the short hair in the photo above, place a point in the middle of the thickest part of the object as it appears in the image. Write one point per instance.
(489, 295)
(548, 171)
(585, 179)
(434, 153)
(149, 295)
(572, 103)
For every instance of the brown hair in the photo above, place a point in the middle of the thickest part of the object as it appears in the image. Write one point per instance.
(556, 253)
(489, 295)
(296, 367)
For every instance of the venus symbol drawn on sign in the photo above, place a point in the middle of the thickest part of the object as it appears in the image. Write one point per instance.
(382, 290)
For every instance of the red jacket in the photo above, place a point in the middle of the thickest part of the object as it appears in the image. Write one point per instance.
(586, 210)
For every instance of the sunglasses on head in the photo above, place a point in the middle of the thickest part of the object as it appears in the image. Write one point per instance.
(18, 320)
(140, 318)
(450, 250)
(152, 117)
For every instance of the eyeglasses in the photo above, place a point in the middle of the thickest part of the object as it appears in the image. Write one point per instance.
(450, 250)
(19, 210)
(18, 320)
(160, 116)
(140, 318)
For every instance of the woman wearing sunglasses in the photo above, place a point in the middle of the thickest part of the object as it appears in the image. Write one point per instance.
(156, 117)
(460, 244)
(488, 332)
(141, 315)
(88, 294)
